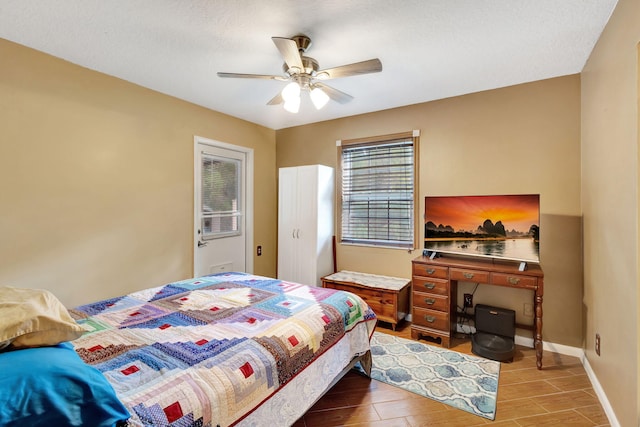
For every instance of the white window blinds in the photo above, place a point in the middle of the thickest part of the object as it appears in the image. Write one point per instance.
(378, 193)
(220, 210)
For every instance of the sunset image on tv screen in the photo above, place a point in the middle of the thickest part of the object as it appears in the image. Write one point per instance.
(501, 226)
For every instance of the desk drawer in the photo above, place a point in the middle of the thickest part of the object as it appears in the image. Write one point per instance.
(431, 286)
(469, 275)
(428, 270)
(513, 280)
(431, 318)
(381, 302)
(430, 301)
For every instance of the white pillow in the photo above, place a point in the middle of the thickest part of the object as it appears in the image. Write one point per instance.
(34, 318)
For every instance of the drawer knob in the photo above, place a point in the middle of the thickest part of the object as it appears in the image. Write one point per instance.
(514, 280)
(468, 275)
(431, 270)
(430, 301)
(430, 319)
(429, 285)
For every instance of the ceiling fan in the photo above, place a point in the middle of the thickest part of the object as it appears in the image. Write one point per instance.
(303, 74)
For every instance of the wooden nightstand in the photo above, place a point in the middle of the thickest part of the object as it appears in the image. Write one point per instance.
(387, 296)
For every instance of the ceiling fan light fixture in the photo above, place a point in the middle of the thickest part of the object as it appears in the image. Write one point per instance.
(302, 72)
(292, 105)
(291, 92)
(318, 97)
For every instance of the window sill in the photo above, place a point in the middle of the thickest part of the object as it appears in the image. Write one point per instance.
(364, 245)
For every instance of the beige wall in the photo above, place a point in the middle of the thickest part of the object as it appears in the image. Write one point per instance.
(610, 206)
(521, 139)
(96, 180)
(96, 186)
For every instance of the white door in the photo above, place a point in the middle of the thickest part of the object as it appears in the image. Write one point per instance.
(307, 234)
(222, 208)
(304, 227)
(288, 224)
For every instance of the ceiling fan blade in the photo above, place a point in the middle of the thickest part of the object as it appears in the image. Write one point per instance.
(364, 67)
(252, 76)
(276, 100)
(289, 51)
(334, 93)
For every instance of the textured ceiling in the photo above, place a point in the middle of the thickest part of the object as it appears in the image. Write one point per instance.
(430, 49)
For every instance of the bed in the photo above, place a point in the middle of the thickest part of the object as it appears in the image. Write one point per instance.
(225, 349)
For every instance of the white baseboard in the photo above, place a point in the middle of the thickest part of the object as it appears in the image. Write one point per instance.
(579, 353)
(552, 347)
(528, 342)
(569, 351)
(602, 397)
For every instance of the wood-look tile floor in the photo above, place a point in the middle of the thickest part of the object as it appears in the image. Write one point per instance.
(558, 395)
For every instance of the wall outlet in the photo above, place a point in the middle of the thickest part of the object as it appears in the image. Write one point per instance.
(259, 251)
(468, 300)
(598, 344)
(528, 309)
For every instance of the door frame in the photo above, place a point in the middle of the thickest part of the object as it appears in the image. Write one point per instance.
(248, 212)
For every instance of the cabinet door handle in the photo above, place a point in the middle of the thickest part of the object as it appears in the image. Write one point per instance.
(293, 233)
(431, 270)
(430, 301)
(468, 275)
(430, 319)
(298, 233)
(429, 285)
(514, 280)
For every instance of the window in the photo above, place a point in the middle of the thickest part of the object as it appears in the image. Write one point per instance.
(378, 188)
(220, 210)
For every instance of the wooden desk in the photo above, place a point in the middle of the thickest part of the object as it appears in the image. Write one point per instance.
(435, 287)
(387, 296)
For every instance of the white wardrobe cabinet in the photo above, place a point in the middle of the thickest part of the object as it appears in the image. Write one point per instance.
(305, 223)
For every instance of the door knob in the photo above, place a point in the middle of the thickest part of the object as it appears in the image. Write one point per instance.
(201, 244)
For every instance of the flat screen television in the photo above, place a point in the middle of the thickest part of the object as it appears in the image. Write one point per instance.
(500, 226)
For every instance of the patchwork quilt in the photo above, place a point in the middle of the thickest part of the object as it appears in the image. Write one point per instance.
(208, 351)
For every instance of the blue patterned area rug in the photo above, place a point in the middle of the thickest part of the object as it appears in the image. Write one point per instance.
(465, 382)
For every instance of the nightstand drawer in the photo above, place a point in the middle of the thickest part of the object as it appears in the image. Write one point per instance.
(431, 319)
(431, 286)
(379, 301)
(513, 280)
(469, 275)
(430, 301)
(430, 271)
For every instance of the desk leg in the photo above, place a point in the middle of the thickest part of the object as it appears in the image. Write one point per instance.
(537, 340)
